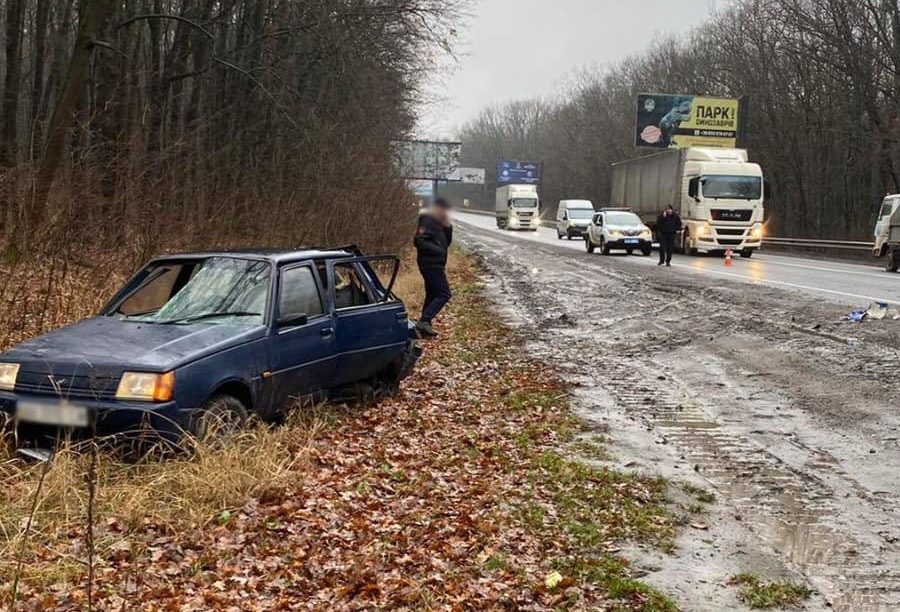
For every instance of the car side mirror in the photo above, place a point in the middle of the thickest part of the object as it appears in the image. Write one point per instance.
(694, 188)
(293, 320)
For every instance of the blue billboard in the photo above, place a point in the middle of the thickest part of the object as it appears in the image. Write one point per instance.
(518, 172)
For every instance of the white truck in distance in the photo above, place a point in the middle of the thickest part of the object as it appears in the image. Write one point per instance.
(717, 192)
(518, 207)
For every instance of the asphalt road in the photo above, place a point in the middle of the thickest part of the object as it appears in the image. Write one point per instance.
(848, 284)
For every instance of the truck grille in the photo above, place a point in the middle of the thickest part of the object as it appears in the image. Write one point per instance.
(730, 231)
(724, 214)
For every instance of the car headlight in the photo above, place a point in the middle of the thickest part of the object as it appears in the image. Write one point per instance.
(645, 233)
(757, 231)
(146, 386)
(615, 234)
(8, 374)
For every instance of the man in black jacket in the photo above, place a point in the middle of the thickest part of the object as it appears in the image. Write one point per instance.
(668, 224)
(433, 238)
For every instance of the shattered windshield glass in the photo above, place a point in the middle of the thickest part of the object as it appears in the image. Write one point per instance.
(214, 290)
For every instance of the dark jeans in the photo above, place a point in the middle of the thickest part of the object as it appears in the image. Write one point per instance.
(666, 246)
(437, 292)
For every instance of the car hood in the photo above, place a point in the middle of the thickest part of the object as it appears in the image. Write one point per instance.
(111, 342)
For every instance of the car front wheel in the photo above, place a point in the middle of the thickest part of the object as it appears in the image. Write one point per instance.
(604, 248)
(588, 244)
(222, 417)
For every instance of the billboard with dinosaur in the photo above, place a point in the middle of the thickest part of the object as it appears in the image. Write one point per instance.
(666, 121)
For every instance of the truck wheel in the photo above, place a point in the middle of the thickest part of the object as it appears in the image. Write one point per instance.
(686, 247)
(604, 248)
(893, 260)
(222, 417)
(747, 253)
(588, 244)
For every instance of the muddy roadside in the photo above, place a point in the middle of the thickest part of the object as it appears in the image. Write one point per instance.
(767, 399)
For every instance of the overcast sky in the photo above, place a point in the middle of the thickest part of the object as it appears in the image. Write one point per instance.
(523, 48)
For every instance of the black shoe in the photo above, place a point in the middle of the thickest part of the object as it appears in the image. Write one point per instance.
(660, 263)
(425, 329)
(668, 264)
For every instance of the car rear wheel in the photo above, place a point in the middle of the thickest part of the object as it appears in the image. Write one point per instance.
(558, 235)
(221, 418)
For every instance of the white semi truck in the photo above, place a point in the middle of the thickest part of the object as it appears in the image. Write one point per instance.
(518, 207)
(717, 192)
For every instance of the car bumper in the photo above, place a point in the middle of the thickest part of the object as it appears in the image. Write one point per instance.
(105, 418)
(577, 231)
(622, 243)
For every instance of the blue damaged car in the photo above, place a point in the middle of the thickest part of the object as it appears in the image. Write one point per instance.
(200, 339)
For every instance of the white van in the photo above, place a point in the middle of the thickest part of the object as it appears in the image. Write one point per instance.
(883, 224)
(573, 218)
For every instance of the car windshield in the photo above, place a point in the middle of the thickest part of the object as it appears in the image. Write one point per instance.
(217, 290)
(622, 218)
(732, 187)
(523, 203)
(577, 213)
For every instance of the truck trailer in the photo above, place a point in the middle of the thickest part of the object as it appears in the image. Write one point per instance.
(717, 193)
(518, 207)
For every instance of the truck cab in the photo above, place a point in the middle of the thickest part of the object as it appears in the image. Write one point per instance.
(518, 207)
(883, 224)
(723, 198)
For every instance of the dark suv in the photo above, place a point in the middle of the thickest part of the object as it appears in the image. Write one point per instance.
(214, 337)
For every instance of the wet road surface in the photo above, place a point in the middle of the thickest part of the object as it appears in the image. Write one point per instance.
(843, 283)
(758, 389)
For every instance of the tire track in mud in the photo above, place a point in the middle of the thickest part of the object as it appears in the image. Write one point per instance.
(796, 512)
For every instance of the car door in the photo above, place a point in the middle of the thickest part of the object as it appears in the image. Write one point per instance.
(370, 324)
(302, 345)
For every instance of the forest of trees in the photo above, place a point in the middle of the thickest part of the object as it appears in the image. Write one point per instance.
(823, 82)
(191, 123)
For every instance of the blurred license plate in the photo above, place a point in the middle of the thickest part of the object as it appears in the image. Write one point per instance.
(59, 413)
(631, 241)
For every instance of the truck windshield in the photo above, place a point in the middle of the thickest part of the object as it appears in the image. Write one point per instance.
(732, 187)
(886, 209)
(578, 213)
(215, 290)
(523, 203)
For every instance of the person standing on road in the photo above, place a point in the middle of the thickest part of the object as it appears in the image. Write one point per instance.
(668, 224)
(433, 238)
